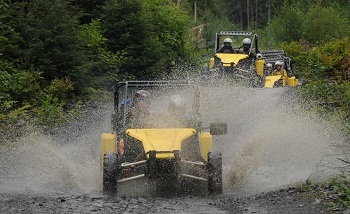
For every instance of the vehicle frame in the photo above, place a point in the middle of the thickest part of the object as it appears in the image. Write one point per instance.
(158, 162)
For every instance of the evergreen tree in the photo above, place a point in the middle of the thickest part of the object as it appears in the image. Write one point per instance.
(50, 36)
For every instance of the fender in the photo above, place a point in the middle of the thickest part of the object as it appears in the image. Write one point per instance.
(108, 145)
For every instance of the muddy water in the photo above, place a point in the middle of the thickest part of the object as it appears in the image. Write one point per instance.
(67, 162)
(270, 144)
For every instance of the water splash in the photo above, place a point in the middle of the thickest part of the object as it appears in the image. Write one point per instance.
(270, 143)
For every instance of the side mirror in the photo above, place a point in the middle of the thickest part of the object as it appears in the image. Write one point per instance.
(218, 128)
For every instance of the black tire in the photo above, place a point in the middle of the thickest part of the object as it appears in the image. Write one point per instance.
(214, 173)
(110, 171)
(278, 83)
(259, 82)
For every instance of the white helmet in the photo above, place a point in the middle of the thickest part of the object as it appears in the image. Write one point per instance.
(247, 41)
(278, 63)
(176, 102)
(268, 65)
(142, 93)
(259, 56)
(228, 40)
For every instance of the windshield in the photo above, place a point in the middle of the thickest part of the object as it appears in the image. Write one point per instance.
(167, 106)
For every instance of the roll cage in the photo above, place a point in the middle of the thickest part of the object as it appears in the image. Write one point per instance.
(124, 92)
(237, 37)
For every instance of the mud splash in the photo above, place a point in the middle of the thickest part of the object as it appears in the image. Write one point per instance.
(67, 162)
(271, 142)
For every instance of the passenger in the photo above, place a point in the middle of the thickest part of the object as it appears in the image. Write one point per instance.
(268, 69)
(246, 43)
(139, 109)
(227, 47)
(279, 70)
(179, 117)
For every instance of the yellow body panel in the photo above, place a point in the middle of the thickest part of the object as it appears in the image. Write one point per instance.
(108, 144)
(206, 144)
(161, 139)
(228, 58)
(211, 62)
(260, 66)
(270, 80)
(292, 81)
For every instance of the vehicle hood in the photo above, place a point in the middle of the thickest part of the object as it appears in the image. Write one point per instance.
(165, 141)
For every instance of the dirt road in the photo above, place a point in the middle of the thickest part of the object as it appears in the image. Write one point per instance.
(271, 145)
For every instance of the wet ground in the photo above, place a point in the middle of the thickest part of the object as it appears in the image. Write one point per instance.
(271, 146)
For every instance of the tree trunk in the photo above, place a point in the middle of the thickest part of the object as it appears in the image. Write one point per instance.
(268, 12)
(241, 14)
(195, 10)
(178, 4)
(248, 27)
(256, 14)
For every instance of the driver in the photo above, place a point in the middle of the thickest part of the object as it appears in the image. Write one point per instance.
(139, 109)
(227, 47)
(279, 70)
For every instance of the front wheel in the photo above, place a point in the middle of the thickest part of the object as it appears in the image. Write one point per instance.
(214, 173)
(278, 83)
(110, 170)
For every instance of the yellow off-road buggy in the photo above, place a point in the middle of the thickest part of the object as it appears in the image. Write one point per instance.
(160, 148)
(239, 64)
(278, 79)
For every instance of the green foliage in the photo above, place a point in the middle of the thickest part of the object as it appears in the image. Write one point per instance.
(287, 26)
(213, 26)
(12, 116)
(152, 34)
(296, 22)
(92, 34)
(331, 61)
(324, 28)
(50, 114)
(17, 87)
(50, 111)
(60, 88)
(324, 72)
(50, 35)
(172, 25)
(342, 189)
(298, 51)
(103, 63)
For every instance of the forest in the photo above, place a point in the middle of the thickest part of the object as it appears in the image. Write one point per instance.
(56, 55)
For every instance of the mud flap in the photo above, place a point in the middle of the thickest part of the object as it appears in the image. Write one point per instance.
(214, 173)
(110, 171)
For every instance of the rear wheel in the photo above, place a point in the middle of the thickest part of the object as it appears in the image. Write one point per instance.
(258, 82)
(110, 170)
(214, 173)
